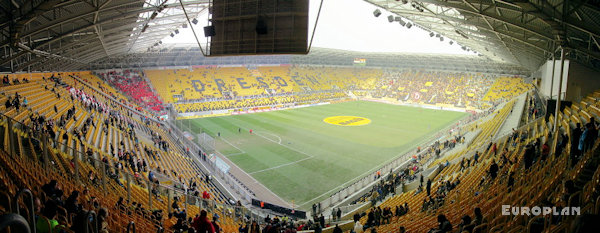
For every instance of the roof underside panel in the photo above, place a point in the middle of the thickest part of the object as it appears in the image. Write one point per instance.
(524, 33)
(72, 34)
(80, 34)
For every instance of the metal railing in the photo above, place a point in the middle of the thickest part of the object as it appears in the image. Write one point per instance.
(231, 182)
(16, 221)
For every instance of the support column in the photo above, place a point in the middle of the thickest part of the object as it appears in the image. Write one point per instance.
(45, 151)
(128, 178)
(149, 194)
(553, 68)
(76, 163)
(558, 99)
(11, 137)
(169, 201)
(104, 176)
(186, 201)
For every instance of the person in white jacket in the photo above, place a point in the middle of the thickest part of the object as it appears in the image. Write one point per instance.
(358, 228)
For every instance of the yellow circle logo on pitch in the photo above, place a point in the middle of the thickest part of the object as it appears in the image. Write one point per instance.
(347, 120)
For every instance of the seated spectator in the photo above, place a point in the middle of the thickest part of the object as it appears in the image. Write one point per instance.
(52, 190)
(49, 212)
(444, 225)
(465, 224)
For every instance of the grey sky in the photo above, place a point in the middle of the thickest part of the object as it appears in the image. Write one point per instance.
(350, 25)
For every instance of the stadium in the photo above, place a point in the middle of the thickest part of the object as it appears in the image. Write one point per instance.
(336, 116)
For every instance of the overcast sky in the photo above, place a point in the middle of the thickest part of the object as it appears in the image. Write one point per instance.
(350, 25)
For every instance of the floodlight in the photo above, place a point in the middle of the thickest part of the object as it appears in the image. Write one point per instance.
(408, 25)
(401, 21)
(194, 21)
(176, 31)
(376, 13)
(391, 18)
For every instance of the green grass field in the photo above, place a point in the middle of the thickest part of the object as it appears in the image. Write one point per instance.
(299, 157)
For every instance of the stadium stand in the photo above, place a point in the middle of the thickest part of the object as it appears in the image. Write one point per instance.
(131, 82)
(56, 127)
(451, 89)
(79, 146)
(519, 169)
(215, 88)
(506, 88)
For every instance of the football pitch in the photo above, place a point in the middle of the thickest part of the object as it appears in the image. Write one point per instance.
(301, 154)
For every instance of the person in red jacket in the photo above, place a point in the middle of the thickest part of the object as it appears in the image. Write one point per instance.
(202, 224)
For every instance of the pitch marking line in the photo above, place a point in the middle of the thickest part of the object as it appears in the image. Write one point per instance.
(284, 145)
(234, 154)
(225, 140)
(279, 138)
(282, 165)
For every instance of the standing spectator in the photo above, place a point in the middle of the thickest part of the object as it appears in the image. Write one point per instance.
(493, 170)
(337, 229)
(428, 187)
(479, 219)
(528, 156)
(254, 228)
(203, 225)
(322, 220)
(71, 204)
(215, 224)
(358, 228)
(102, 223)
(333, 214)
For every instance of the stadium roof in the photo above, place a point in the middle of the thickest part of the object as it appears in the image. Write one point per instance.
(50, 35)
(72, 34)
(524, 32)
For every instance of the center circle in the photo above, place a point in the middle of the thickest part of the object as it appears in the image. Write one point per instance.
(347, 120)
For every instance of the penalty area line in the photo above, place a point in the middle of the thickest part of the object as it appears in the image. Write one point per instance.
(282, 165)
(272, 134)
(231, 144)
(234, 154)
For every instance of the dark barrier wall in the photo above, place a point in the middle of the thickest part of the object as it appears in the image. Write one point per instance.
(551, 104)
(279, 209)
